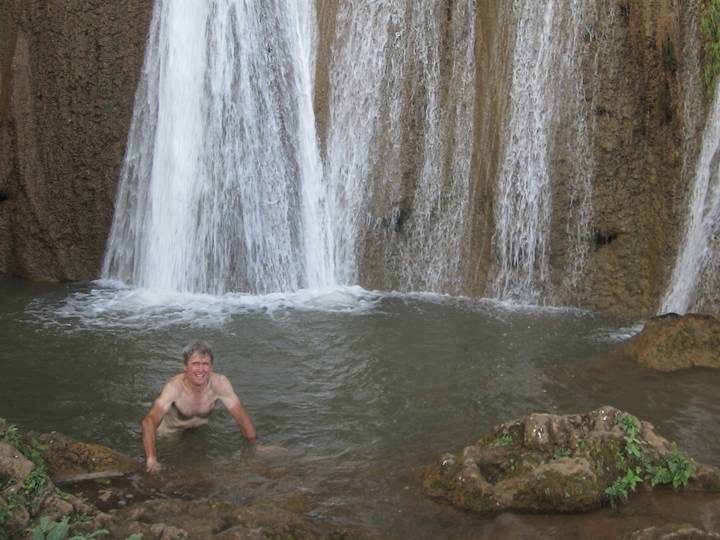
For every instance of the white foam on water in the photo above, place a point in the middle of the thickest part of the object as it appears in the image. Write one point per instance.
(111, 304)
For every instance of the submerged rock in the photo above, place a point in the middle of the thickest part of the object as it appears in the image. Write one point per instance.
(674, 532)
(571, 463)
(68, 459)
(671, 342)
(30, 502)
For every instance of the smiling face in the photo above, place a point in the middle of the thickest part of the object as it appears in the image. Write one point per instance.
(198, 369)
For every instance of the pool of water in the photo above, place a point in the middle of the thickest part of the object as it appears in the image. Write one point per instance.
(361, 389)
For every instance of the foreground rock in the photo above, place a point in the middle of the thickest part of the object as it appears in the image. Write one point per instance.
(30, 502)
(671, 342)
(571, 463)
(679, 532)
(69, 460)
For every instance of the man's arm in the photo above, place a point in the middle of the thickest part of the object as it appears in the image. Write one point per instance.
(235, 408)
(151, 422)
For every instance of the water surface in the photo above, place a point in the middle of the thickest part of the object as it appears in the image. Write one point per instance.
(361, 388)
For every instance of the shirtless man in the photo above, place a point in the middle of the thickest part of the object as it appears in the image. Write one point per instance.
(187, 400)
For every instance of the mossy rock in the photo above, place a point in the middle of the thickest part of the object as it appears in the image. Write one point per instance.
(556, 463)
(671, 342)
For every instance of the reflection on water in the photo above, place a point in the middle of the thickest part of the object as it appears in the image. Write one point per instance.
(362, 388)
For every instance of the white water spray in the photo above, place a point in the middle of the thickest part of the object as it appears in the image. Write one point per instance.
(546, 82)
(698, 262)
(220, 188)
(400, 142)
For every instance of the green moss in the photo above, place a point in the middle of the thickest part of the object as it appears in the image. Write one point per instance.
(606, 457)
(554, 491)
(710, 27)
(670, 62)
(478, 502)
(440, 485)
(508, 436)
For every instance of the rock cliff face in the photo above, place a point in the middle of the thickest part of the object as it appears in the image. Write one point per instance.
(67, 81)
(642, 79)
(68, 75)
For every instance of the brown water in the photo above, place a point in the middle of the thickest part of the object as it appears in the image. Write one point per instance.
(362, 389)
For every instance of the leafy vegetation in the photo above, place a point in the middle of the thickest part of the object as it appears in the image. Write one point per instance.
(561, 453)
(675, 468)
(58, 530)
(710, 27)
(504, 440)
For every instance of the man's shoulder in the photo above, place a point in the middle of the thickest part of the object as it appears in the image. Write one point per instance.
(219, 378)
(221, 384)
(175, 383)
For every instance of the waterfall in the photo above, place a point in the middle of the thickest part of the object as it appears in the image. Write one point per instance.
(399, 142)
(224, 188)
(546, 91)
(694, 279)
(221, 185)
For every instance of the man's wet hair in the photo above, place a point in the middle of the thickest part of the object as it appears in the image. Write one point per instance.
(197, 347)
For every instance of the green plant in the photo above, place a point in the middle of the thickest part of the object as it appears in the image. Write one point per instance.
(631, 427)
(94, 534)
(10, 434)
(710, 27)
(675, 469)
(58, 530)
(582, 443)
(630, 454)
(503, 440)
(50, 530)
(38, 477)
(619, 490)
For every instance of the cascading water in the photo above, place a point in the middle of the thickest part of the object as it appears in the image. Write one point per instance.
(694, 279)
(220, 190)
(400, 142)
(223, 188)
(546, 88)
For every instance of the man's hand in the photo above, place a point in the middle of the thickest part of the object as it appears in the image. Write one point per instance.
(152, 466)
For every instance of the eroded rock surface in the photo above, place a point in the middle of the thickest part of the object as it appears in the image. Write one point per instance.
(671, 342)
(29, 497)
(552, 463)
(684, 532)
(67, 458)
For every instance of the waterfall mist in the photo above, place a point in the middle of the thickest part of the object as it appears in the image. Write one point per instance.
(227, 187)
(546, 96)
(695, 278)
(399, 143)
(219, 190)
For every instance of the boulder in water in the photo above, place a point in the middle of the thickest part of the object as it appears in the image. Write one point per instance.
(671, 342)
(570, 463)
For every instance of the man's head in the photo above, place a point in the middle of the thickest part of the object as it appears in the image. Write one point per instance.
(198, 359)
(197, 347)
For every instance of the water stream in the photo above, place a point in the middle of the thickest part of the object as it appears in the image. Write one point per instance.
(543, 99)
(220, 187)
(695, 276)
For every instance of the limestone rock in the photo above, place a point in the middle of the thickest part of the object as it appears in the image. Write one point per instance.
(671, 342)
(67, 458)
(679, 532)
(13, 464)
(552, 463)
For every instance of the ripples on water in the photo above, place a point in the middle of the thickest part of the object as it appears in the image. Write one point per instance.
(362, 388)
